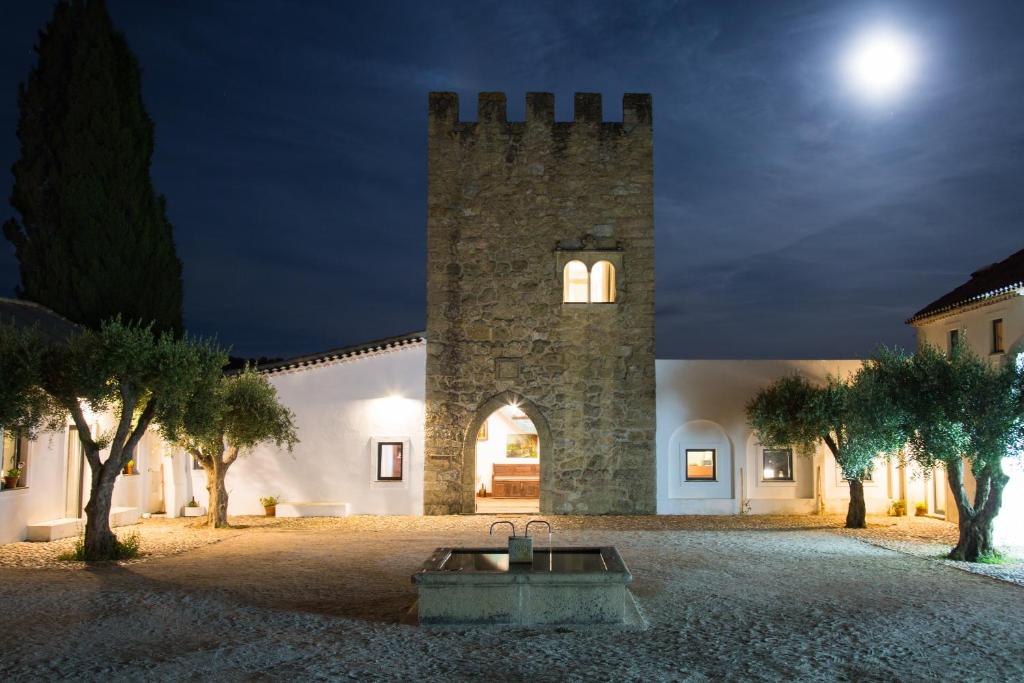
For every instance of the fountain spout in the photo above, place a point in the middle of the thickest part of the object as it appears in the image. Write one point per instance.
(504, 521)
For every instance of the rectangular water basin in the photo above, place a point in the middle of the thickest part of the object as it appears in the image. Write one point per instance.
(562, 586)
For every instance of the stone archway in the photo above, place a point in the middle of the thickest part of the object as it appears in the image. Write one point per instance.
(484, 411)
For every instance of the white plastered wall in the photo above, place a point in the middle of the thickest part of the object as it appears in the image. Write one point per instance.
(702, 404)
(340, 407)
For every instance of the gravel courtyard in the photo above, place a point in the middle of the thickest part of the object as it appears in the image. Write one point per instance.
(726, 598)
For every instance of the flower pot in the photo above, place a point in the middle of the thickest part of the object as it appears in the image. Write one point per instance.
(920, 513)
(193, 511)
(129, 468)
(10, 482)
(271, 510)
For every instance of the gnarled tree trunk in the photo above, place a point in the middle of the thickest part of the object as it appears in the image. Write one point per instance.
(976, 521)
(216, 466)
(100, 541)
(216, 472)
(856, 513)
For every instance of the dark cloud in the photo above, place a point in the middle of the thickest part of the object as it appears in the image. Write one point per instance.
(792, 220)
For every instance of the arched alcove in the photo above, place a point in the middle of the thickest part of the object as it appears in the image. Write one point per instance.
(540, 423)
(699, 437)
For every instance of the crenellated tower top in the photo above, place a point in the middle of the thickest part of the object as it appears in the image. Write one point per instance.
(492, 108)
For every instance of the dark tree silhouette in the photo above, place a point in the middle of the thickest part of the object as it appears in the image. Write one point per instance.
(93, 241)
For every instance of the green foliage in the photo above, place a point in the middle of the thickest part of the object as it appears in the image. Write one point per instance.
(23, 403)
(128, 547)
(93, 240)
(995, 557)
(851, 416)
(957, 406)
(269, 501)
(232, 412)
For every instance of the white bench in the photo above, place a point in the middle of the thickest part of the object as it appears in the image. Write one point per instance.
(53, 529)
(313, 509)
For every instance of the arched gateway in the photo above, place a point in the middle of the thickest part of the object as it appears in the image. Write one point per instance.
(472, 439)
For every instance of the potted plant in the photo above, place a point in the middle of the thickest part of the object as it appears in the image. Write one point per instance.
(193, 509)
(899, 508)
(921, 509)
(129, 467)
(269, 504)
(11, 477)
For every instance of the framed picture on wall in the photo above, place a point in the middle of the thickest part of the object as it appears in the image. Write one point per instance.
(482, 434)
(521, 446)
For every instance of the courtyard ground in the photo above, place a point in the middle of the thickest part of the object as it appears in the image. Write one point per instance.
(735, 598)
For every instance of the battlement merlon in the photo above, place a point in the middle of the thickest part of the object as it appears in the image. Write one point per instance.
(492, 107)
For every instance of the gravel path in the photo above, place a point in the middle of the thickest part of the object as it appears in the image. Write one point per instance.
(757, 598)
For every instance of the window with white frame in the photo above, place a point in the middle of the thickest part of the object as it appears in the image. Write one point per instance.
(777, 464)
(15, 458)
(390, 457)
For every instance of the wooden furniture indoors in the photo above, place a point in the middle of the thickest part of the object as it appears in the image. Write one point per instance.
(515, 481)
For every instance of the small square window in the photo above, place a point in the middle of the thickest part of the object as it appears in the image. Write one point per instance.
(954, 339)
(997, 336)
(389, 461)
(701, 464)
(777, 464)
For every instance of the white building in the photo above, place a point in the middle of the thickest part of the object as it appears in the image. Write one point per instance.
(987, 314)
(360, 419)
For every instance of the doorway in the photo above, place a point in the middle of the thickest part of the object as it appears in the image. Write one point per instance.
(508, 454)
(73, 478)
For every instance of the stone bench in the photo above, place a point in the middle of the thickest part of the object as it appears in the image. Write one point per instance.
(319, 509)
(54, 529)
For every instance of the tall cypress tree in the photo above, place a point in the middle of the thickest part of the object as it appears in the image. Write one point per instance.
(94, 240)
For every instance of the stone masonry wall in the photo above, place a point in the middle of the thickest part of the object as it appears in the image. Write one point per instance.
(508, 204)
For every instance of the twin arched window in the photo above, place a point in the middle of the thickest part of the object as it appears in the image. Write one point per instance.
(596, 286)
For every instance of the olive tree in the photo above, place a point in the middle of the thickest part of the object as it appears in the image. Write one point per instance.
(120, 369)
(849, 416)
(227, 417)
(961, 411)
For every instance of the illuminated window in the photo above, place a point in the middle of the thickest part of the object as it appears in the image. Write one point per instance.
(997, 336)
(575, 283)
(602, 283)
(700, 464)
(389, 461)
(778, 464)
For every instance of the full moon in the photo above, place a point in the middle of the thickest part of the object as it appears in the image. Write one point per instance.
(880, 63)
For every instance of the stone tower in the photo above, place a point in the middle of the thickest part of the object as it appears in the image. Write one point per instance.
(510, 204)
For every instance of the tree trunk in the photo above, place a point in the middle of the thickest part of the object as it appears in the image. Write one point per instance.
(856, 513)
(100, 541)
(216, 473)
(976, 523)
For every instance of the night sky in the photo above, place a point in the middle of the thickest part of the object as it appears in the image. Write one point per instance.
(794, 218)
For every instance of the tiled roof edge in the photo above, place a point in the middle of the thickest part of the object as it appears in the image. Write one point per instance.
(332, 356)
(976, 299)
